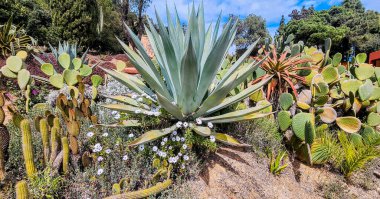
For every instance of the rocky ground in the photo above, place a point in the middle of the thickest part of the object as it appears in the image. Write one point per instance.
(238, 174)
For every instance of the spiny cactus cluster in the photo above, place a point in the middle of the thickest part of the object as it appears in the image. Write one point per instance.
(4, 138)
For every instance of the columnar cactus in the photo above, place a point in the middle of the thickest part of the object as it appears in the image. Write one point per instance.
(27, 148)
(66, 151)
(54, 138)
(44, 129)
(22, 190)
(4, 138)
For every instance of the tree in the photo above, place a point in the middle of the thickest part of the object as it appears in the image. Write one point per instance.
(249, 30)
(281, 28)
(302, 14)
(74, 21)
(348, 25)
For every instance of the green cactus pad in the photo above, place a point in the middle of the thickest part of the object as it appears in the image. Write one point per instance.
(336, 59)
(56, 80)
(375, 93)
(336, 93)
(361, 58)
(299, 122)
(364, 71)
(365, 90)
(77, 63)
(341, 69)
(284, 120)
(328, 115)
(309, 132)
(349, 124)
(23, 78)
(70, 77)
(8, 73)
(48, 69)
(357, 139)
(377, 73)
(330, 74)
(85, 70)
(321, 100)
(351, 85)
(373, 119)
(14, 63)
(257, 96)
(317, 57)
(286, 101)
(64, 60)
(22, 54)
(309, 78)
(304, 96)
(322, 88)
(96, 80)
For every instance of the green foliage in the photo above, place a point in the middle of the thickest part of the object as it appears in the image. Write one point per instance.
(13, 38)
(22, 191)
(286, 101)
(299, 123)
(277, 164)
(44, 185)
(284, 120)
(324, 148)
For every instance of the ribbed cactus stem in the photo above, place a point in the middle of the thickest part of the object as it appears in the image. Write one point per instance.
(54, 138)
(2, 164)
(27, 147)
(22, 190)
(44, 128)
(56, 123)
(65, 148)
(145, 192)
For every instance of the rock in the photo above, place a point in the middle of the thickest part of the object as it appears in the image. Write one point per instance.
(376, 173)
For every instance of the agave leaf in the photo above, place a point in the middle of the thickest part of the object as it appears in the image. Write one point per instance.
(239, 115)
(124, 123)
(152, 135)
(121, 107)
(124, 80)
(240, 96)
(169, 107)
(201, 130)
(124, 99)
(226, 139)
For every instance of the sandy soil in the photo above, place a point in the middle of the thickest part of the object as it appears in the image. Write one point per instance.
(239, 174)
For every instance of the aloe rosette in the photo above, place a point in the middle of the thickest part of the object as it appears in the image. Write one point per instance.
(184, 83)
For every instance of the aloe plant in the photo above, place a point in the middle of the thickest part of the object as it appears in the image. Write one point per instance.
(185, 85)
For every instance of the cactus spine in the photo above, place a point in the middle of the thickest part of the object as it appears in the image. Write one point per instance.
(27, 148)
(65, 148)
(44, 129)
(22, 190)
(145, 192)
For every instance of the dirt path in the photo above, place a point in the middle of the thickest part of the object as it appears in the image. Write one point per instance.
(237, 174)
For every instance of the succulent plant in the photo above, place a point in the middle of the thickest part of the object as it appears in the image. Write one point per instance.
(188, 64)
(45, 135)
(27, 148)
(349, 124)
(22, 191)
(15, 68)
(286, 101)
(284, 120)
(66, 154)
(4, 138)
(66, 56)
(373, 119)
(299, 122)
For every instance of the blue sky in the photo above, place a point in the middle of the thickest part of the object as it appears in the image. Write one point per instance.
(270, 10)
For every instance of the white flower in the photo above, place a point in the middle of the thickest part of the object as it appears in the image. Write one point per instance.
(185, 157)
(162, 154)
(179, 154)
(134, 96)
(173, 139)
(125, 157)
(177, 138)
(100, 171)
(131, 135)
(140, 99)
(155, 148)
(170, 147)
(156, 114)
(90, 134)
(179, 124)
(184, 146)
(183, 166)
(114, 112)
(210, 125)
(97, 147)
(173, 102)
(212, 138)
(183, 139)
(108, 151)
(185, 124)
(165, 139)
(137, 111)
(198, 121)
(174, 133)
(150, 113)
(100, 158)
(162, 143)
(141, 147)
(105, 135)
(117, 116)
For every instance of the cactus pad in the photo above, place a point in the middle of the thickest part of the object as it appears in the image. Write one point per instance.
(330, 74)
(365, 90)
(349, 124)
(48, 69)
(328, 115)
(351, 85)
(23, 77)
(64, 60)
(373, 119)
(14, 63)
(57, 81)
(286, 101)
(284, 120)
(298, 124)
(364, 71)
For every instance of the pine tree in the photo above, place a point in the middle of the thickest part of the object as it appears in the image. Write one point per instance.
(281, 28)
